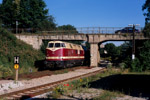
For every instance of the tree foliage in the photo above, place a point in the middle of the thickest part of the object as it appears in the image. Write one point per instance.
(144, 56)
(7, 13)
(29, 14)
(48, 24)
(67, 29)
(146, 8)
(112, 50)
(146, 30)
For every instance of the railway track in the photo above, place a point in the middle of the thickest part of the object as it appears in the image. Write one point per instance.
(44, 73)
(34, 91)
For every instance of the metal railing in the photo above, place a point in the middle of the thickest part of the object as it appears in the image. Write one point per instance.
(79, 30)
(105, 30)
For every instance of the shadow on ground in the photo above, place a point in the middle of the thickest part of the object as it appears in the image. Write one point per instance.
(129, 84)
(40, 65)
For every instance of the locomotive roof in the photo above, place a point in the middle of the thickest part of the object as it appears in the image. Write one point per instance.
(68, 45)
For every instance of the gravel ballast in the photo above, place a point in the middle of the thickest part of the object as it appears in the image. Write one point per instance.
(24, 84)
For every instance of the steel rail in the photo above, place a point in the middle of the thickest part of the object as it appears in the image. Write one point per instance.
(34, 91)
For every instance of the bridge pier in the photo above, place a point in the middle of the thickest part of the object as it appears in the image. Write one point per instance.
(95, 55)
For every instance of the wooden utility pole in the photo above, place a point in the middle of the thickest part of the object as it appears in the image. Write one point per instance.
(133, 43)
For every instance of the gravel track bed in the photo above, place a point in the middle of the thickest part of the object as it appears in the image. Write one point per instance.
(42, 80)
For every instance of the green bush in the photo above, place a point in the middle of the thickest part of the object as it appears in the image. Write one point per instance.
(144, 56)
(10, 46)
(135, 65)
(142, 60)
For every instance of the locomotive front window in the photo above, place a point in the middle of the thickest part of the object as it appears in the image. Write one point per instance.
(57, 44)
(50, 45)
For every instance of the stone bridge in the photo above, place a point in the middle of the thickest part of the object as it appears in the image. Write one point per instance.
(93, 39)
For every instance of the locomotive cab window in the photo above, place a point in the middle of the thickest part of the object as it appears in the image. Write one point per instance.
(50, 45)
(57, 45)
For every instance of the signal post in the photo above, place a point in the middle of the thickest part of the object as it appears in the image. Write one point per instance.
(16, 66)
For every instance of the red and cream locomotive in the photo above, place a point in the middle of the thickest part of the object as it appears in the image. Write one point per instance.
(63, 54)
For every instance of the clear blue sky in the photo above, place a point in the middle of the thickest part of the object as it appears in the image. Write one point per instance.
(97, 13)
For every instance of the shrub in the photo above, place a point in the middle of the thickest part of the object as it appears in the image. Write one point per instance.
(135, 65)
(11, 46)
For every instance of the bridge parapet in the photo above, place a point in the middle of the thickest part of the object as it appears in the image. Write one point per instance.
(81, 37)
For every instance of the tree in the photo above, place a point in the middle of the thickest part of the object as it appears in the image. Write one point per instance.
(144, 56)
(146, 8)
(146, 30)
(48, 24)
(33, 12)
(29, 13)
(7, 11)
(112, 50)
(69, 29)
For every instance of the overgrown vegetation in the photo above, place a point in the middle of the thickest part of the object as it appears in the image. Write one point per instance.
(112, 83)
(10, 47)
(146, 9)
(82, 85)
(123, 54)
(108, 95)
(79, 85)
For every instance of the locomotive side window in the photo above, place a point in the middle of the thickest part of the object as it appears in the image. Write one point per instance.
(62, 45)
(57, 44)
(50, 45)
